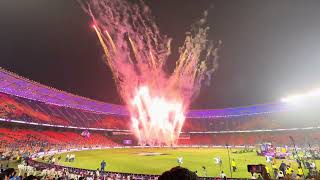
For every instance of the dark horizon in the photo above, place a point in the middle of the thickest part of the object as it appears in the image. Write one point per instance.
(270, 48)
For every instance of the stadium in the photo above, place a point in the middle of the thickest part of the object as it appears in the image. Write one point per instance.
(43, 121)
(52, 133)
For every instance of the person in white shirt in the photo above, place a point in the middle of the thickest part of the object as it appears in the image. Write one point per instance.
(67, 157)
(21, 168)
(89, 178)
(218, 160)
(29, 170)
(53, 160)
(253, 176)
(97, 173)
(180, 160)
(223, 175)
(72, 157)
(312, 165)
(280, 175)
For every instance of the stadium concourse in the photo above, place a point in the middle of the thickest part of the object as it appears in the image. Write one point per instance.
(38, 119)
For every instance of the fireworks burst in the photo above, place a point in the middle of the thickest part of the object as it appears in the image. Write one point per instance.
(136, 53)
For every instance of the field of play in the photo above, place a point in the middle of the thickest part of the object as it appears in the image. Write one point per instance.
(158, 160)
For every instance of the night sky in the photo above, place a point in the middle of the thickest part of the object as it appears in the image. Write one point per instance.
(271, 48)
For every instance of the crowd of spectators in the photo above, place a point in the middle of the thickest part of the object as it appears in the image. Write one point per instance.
(270, 121)
(30, 169)
(16, 143)
(301, 137)
(33, 170)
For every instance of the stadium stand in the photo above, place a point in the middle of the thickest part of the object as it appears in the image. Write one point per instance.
(293, 119)
(19, 139)
(30, 111)
(302, 137)
(235, 130)
(16, 108)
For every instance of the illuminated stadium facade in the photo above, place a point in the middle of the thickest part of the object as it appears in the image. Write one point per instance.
(15, 85)
(49, 107)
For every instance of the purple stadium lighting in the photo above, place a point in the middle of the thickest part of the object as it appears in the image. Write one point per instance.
(15, 85)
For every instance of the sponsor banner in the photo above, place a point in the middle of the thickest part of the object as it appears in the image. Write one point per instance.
(127, 141)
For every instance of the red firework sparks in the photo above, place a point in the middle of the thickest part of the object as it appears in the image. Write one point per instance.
(136, 54)
(156, 120)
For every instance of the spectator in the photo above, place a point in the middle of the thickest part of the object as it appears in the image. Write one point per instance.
(280, 175)
(283, 167)
(300, 172)
(299, 162)
(8, 174)
(97, 173)
(259, 177)
(268, 171)
(289, 171)
(275, 170)
(313, 165)
(253, 176)
(31, 177)
(178, 173)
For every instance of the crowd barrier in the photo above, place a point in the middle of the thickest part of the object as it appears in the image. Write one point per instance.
(39, 166)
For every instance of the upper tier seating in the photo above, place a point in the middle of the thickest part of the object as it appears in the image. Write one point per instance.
(21, 109)
(15, 108)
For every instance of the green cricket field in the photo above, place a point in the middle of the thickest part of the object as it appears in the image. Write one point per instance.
(158, 160)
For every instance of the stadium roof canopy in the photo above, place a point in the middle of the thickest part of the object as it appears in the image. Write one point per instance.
(15, 85)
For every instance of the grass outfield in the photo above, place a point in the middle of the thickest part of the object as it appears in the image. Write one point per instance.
(131, 160)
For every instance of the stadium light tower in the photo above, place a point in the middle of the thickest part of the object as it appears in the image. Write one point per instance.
(310, 95)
